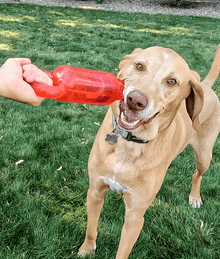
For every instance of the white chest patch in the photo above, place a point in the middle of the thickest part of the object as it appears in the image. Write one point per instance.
(114, 185)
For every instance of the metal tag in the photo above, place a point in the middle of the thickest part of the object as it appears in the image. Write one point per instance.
(111, 138)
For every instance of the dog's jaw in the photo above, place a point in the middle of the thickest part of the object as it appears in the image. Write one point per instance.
(131, 121)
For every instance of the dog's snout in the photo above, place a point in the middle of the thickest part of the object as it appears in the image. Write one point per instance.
(136, 101)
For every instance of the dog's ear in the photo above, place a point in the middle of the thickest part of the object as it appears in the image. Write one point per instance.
(136, 51)
(195, 75)
(126, 62)
(195, 100)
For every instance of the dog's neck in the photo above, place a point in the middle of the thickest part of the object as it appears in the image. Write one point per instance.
(129, 151)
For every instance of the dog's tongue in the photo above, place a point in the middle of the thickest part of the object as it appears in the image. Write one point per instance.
(130, 116)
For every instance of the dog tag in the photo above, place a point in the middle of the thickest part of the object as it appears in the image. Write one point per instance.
(111, 138)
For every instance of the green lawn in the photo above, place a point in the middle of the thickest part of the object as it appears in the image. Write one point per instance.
(43, 198)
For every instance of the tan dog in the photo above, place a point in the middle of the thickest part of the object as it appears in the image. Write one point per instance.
(165, 104)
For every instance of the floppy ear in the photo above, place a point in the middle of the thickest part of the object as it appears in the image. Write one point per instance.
(195, 100)
(126, 62)
(136, 51)
(195, 75)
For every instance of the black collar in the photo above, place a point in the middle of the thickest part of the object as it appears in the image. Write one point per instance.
(127, 135)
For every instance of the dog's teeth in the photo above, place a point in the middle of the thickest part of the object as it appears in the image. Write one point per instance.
(131, 124)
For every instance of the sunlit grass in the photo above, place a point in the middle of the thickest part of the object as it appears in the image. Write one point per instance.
(217, 91)
(172, 30)
(5, 47)
(10, 34)
(9, 18)
(72, 23)
(43, 198)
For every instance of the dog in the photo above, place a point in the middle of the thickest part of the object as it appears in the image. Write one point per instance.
(165, 108)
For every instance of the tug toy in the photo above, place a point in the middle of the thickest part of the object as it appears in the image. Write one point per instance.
(79, 85)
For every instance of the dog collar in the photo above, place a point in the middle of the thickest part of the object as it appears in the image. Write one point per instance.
(127, 135)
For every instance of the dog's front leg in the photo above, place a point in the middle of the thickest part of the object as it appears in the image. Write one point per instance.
(95, 200)
(134, 220)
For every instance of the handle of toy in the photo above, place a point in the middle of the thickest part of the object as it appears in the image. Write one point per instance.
(48, 91)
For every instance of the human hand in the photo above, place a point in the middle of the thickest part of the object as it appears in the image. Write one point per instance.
(31, 74)
(12, 84)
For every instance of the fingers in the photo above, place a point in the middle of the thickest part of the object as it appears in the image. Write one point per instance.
(28, 73)
(25, 93)
(32, 73)
(23, 61)
(38, 102)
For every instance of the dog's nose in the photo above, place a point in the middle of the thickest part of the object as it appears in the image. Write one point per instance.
(136, 101)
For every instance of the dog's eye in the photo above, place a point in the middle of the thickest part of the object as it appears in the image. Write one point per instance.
(171, 81)
(140, 66)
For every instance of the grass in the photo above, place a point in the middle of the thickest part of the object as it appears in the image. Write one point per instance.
(43, 198)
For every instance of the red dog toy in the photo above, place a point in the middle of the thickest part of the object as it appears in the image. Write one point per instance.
(79, 85)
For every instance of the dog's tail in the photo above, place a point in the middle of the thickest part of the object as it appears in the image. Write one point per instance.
(214, 71)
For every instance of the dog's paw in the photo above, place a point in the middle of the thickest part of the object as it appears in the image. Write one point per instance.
(195, 202)
(86, 249)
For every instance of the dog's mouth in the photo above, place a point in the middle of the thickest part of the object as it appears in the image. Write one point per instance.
(130, 120)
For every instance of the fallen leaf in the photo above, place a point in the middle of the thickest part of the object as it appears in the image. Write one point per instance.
(20, 161)
(84, 141)
(201, 223)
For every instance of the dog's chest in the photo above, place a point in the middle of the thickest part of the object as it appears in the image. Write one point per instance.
(127, 156)
(123, 167)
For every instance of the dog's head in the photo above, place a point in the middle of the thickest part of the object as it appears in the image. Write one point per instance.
(157, 80)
